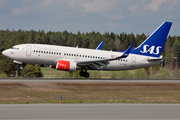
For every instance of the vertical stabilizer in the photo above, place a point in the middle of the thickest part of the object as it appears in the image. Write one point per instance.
(154, 44)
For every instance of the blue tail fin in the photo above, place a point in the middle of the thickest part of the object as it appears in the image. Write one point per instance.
(154, 44)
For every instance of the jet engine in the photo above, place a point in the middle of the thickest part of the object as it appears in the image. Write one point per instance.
(66, 65)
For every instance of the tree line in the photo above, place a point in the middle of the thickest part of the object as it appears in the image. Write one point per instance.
(114, 42)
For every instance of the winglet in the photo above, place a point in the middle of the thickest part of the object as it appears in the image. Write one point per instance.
(126, 53)
(99, 47)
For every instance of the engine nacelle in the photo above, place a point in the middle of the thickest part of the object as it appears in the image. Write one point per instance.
(66, 65)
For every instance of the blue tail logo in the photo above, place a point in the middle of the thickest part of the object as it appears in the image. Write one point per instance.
(147, 49)
(154, 44)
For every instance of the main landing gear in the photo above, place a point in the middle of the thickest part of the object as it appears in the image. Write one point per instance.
(84, 74)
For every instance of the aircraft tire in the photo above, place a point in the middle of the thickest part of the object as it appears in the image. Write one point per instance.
(82, 74)
(86, 75)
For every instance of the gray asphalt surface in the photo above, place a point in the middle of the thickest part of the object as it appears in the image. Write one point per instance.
(90, 111)
(87, 81)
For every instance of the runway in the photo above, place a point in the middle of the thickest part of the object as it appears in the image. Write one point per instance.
(90, 111)
(89, 81)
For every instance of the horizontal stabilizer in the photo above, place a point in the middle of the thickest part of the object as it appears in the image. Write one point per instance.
(161, 59)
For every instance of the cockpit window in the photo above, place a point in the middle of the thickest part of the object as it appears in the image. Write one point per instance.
(15, 48)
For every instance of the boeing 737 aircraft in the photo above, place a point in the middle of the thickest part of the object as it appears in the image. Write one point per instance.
(74, 58)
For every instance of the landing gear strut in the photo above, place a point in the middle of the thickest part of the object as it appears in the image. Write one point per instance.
(84, 73)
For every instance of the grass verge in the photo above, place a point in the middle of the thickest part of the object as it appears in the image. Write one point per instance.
(27, 93)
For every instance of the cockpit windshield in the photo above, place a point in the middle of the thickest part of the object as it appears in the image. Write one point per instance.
(14, 48)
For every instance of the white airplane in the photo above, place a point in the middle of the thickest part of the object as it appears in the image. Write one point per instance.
(74, 58)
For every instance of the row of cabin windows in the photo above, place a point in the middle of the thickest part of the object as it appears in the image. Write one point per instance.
(95, 57)
(55, 53)
(86, 56)
(124, 60)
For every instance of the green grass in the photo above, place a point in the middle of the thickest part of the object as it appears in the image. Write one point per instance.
(162, 73)
(27, 93)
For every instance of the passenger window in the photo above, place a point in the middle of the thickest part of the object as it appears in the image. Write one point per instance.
(49, 52)
(41, 51)
(17, 48)
(36, 51)
(82, 55)
(46, 52)
(33, 50)
(59, 53)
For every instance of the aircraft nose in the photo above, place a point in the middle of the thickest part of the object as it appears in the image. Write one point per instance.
(5, 52)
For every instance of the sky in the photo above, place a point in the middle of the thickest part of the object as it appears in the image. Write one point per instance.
(129, 16)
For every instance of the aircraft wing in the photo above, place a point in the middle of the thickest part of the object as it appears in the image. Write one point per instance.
(97, 64)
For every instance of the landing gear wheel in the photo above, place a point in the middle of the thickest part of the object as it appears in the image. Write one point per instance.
(86, 75)
(82, 73)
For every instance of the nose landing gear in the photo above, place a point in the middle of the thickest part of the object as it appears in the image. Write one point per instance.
(84, 74)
